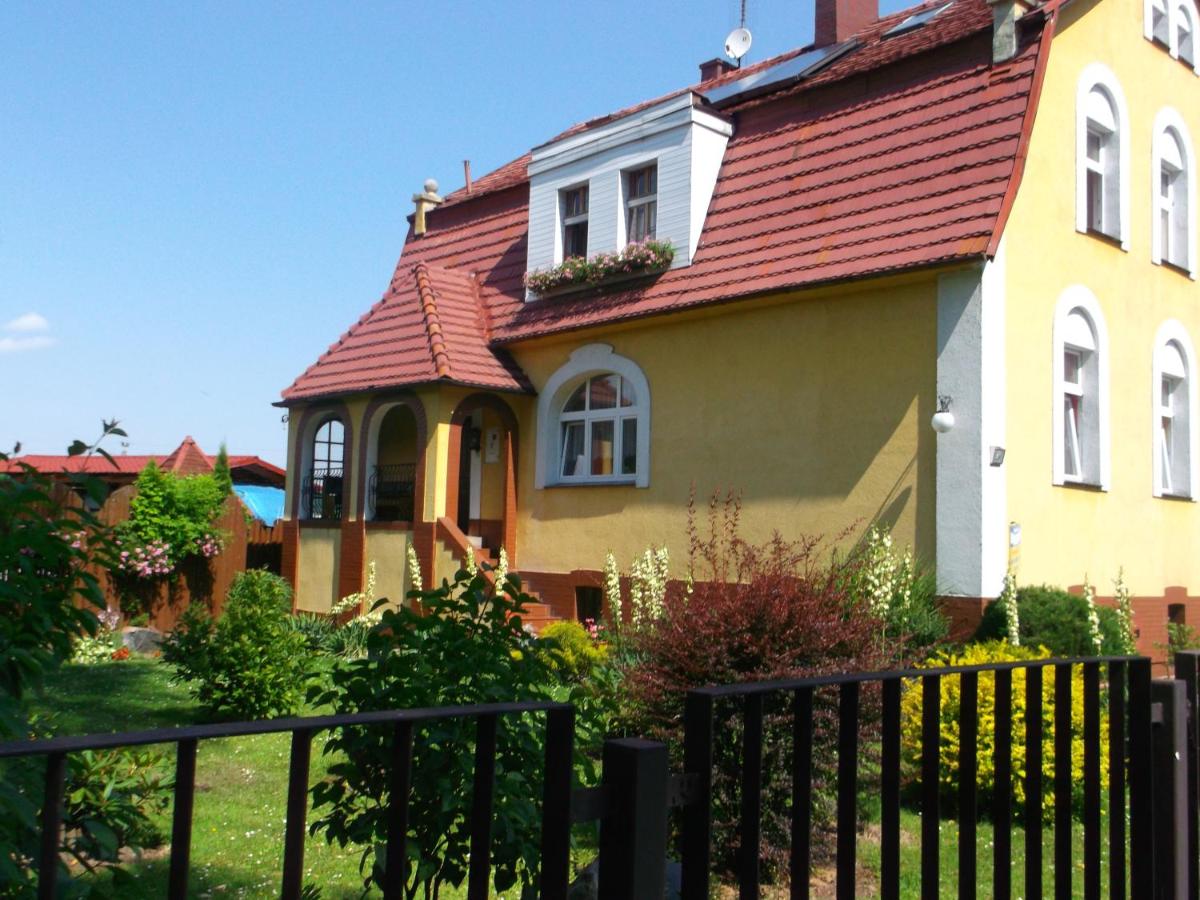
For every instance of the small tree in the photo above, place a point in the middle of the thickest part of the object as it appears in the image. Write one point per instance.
(221, 473)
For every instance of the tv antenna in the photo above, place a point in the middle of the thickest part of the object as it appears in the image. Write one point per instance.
(737, 44)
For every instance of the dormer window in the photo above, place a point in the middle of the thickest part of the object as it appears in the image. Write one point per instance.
(641, 204)
(575, 221)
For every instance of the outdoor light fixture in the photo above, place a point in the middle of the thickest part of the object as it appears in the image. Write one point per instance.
(943, 419)
(997, 456)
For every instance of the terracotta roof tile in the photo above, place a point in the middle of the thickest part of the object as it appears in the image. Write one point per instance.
(852, 173)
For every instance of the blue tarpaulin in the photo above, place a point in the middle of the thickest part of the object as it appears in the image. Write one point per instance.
(264, 503)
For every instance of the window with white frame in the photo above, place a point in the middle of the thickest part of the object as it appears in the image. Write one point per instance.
(1174, 193)
(575, 221)
(1102, 155)
(1184, 29)
(594, 421)
(1171, 24)
(1102, 164)
(641, 204)
(1080, 412)
(322, 486)
(1160, 23)
(1174, 413)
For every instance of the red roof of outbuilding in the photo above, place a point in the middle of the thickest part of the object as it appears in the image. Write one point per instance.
(902, 153)
(186, 459)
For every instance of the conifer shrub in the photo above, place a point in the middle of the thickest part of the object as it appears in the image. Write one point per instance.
(951, 700)
(756, 613)
(1051, 617)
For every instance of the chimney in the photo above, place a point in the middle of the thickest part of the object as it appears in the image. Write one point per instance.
(1004, 28)
(839, 19)
(425, 201)
(715, 68)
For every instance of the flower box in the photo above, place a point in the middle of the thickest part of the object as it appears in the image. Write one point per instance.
(576, 274)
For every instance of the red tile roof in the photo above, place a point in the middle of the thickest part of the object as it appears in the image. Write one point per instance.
(186, 459)
(902, 153)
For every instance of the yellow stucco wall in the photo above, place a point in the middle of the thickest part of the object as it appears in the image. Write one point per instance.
(1071, 532)
(320, 550)
(397, 437)
(815, 408)
(491, 492)
(388, 550)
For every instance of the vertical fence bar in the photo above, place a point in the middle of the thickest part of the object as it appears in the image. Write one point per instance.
(802, 735)
(697, 825)
(397, 810)
(1062, 781)
(1187, 670)
(751, 824)
(1116, 780)
(889, 783)
(181, 819)
(1169, 748)
(56, 773)
(483, 789)
(556, 804)
(633, 834)
(1141, 799)
(847, 801)
(297, 812)
(968, 765)
(1002, 794)
(931, 701)
(1033, 781)
(1091, 781)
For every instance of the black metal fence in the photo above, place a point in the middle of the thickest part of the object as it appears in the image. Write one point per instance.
(1151, 842)
(391, 492)
(321, 494)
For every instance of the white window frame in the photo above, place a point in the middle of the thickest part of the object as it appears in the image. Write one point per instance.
(1173, 9)
(564, 221)
(1078, 298)
(1172, 332)
(1169, 125)
(1097, 76)
(585, 362)
(630, 202)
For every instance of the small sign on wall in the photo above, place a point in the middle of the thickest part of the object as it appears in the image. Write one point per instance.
(491, 445)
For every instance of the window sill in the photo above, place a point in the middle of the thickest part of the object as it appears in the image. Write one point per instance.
(631, 481)
(1177, 269)
(1105, 238)
(1088, 486)
(320, 523)
(598, 287)
(1178, 498)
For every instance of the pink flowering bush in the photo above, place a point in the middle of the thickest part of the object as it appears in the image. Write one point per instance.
(149, 560)
(209, 545)
(647, 256)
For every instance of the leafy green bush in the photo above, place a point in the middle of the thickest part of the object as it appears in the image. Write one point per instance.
(251, 663)
(982, 654)
(1057, 620)
(469, 646)
(111, 800)
(572, 652)
(1180, 637)
(170, 519)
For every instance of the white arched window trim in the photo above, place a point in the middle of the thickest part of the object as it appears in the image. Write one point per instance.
(1093, 76)
(1078, 297)
(1172, 331)
(1169, 120)
(591, 359)
(1173, 10)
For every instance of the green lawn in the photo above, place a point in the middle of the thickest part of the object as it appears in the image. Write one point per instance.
(241, 786)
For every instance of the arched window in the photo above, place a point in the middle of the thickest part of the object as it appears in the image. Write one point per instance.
(1102, 165)
(594, 422)
(1174, 193)
(1080, 415)
(1184, 29)
(1172, 25)
(1158, 23)
(1174, 404)
(324, 483)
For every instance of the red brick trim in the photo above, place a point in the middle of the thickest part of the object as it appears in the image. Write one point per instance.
(290, 555)
(352, 563)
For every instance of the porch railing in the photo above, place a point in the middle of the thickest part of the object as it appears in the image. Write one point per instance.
(556, 800)
(321, 494)
(390, 492)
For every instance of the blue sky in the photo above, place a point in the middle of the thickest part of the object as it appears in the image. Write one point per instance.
(197, 199)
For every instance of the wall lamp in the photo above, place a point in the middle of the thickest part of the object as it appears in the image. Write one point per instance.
(943, 419)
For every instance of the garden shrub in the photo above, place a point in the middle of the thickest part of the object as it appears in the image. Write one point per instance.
(1057, 620)
(112, 799)
(170, 519)
(755, 613)
(251, 663)
(573, 653)
(469, 646)
(982, 654)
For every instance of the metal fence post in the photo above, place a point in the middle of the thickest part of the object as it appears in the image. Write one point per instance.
(1169, 712)
(1187, 670)
(633, 836)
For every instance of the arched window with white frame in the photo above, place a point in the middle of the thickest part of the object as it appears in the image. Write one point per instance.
(1158, 22)
(1185, 29)
(1102, 156)
(594, 422)
(1174, 420)
(1173, 170)
(324, 483)
(1171, 24)
(1080, 411)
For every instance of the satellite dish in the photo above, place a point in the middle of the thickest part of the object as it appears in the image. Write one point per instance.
(737, 44)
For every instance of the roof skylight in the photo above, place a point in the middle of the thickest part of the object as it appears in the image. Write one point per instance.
(793, 69)
(916, 20)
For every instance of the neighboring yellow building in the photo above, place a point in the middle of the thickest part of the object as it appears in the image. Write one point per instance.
(983, 211)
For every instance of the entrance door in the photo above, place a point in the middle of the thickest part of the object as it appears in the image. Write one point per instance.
(467, 440)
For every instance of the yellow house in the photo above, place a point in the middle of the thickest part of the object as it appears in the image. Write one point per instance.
(935, 270)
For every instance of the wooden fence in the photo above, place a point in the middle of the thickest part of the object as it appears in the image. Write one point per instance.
(248, 544)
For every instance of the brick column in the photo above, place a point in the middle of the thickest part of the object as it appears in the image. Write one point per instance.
(290, 556)
(352, 564)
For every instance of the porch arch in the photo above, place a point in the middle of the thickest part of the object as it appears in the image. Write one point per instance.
(311, 419)
(368, 452)
(508, 459)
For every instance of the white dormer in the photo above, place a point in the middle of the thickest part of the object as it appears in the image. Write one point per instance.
(648, 174)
